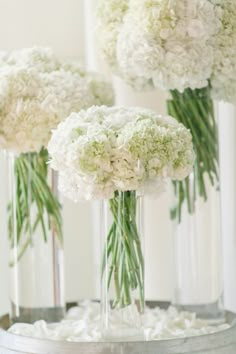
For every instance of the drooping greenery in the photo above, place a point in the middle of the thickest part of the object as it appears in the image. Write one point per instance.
(34, 204)
(123, 251)
(195, 110)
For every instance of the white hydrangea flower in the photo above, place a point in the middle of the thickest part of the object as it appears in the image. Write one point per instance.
(165, 43)
(110, 14)
(223, 79)
(102, 150)
(37, 91)
(42, 59)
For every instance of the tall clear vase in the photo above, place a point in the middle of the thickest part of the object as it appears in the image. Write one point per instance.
(35, 239)
(196, 211)
(122, 269)
(198, 256)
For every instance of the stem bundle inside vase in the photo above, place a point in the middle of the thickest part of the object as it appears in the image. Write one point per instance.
(195, 109)
(123, 251)
(33, 205)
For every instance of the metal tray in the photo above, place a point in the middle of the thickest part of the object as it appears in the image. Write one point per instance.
(223, 342)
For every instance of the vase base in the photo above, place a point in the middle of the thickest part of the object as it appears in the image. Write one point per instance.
(123, 325)
(121, 335)
(213, 313)
(31, 315)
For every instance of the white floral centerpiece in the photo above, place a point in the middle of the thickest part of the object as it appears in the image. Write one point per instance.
(186, 47)
(165, 43)
(37, 92)
(223, 78)
(116, 153)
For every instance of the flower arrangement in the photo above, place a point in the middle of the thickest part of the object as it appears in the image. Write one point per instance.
(223, 78)
(116, 153)
(186, 47)
(37, 92)
(165, 43)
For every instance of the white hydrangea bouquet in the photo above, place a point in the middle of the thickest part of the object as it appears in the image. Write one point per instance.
(37, 92)
(116, 153)
(186, 47)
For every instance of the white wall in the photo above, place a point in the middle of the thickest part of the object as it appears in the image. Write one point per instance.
(227, 125)
(57, 24)
(3, 243)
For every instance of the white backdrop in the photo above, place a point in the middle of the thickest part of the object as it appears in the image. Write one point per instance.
(66, 26)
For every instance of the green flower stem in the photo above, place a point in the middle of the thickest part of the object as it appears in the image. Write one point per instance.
(32, 192)
(123, 251)
(195, 110)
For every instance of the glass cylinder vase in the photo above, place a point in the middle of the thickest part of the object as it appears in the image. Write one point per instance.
(196, 211)
(35, 239)
(122, 269)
